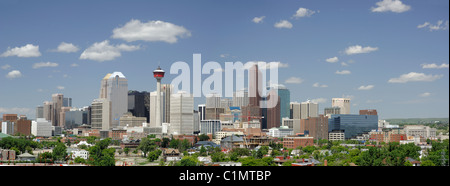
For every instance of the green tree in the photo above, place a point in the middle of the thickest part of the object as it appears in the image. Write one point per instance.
(146, 145)
(188, 161)
(101, 155)
(59, 152)
(203, 137)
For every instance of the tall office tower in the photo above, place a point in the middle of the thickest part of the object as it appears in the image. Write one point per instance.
(202, 112)
(294, 108)
(213, 100)
(309, 109)
(67, 102)
(101, 114)
(153, 108)
(343, 103)
(62, 116)
(136, 103)
(167, 90)
(182, 113)
(254, 84)
(114, 88)
(226, 103)
(196, 116)
(285, 100)
(272, 117)
(48, 107)
(316, 127)
(368, 112)
(331, 110)
(40, 112)
(57, 100)
(158, 74)
(240, 98)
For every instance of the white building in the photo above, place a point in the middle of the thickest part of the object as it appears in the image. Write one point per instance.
(8, 127)
(240, 98)
(210, 126)
(293, 124)
(41, 127)
(343, 103)
(336, 135)
(114, 88)
(420, 130)
(80, 153)
(309, 109)
(153, 98)
(101, 114)
(251, 124)
(280, 132)
(181, 113)
(213, 101)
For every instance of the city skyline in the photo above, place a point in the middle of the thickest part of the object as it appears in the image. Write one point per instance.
(390, 58)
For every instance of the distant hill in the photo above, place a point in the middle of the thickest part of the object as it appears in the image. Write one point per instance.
(416, 121)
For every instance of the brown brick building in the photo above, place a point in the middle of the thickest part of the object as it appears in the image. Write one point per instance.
(293, 142)
(316, 126)
(368, 112)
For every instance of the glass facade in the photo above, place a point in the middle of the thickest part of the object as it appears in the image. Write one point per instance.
(285, 100)
(353, 124)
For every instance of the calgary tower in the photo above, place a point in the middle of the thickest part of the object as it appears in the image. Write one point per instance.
(158, 74)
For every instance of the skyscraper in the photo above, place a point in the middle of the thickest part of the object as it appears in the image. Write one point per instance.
(153, 108)
(254, 84)
(137, 103)
(114, 88)
(182, 113)
(101, 114)
(202, 112)
(213, 100)
(240, 98)
(343, 103)
(285, 99)
(57, 101)
(308, 109)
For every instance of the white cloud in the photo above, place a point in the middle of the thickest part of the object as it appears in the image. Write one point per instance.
(433, 65)
(357, 49)
(319, 85)
(6, 67)
(414, 77)
(103, 51)
(368, 87)
(136, 30)
(293, 80)
(15, 110)
(425, 94)
(319, 100)
(74, 65)
(391, 5)
(66, 47)
(60, 87)
(440, 25)
(332, 60)
(28, 50)
(344, 72)
(258, 19)
(303, 12)
(283, 24)
(423, 25)
(14, 74)
(44, 64)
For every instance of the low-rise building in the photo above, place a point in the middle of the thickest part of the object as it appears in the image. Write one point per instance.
(297, 141)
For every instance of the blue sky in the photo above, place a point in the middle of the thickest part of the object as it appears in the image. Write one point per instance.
(388, 55)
